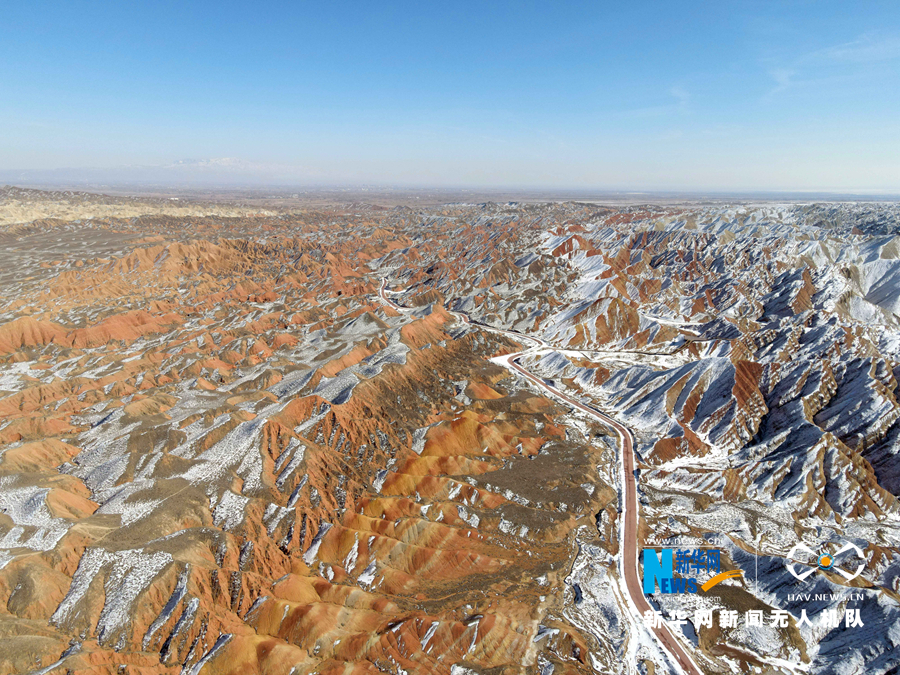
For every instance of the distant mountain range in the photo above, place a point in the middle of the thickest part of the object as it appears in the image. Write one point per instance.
(225, 172)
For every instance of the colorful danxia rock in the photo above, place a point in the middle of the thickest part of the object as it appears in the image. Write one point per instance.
(453, 439)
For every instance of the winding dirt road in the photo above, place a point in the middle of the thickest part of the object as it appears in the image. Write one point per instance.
(629, 543)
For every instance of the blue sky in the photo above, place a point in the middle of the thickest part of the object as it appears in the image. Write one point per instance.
(642, 95)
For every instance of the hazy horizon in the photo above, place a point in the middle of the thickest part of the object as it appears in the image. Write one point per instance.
(179, 177)
(797, 97)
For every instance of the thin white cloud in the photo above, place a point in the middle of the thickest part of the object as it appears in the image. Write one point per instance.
(783, 80)
(867, 49)
(683, 97)
(679, 105)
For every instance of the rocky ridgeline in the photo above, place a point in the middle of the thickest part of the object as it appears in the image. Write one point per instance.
(227, 454)
(222, 453)
(753, 349)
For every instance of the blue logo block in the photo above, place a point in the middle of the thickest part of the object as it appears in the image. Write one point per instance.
(656, 569)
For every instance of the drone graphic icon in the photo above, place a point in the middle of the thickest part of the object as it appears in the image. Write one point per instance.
(825, 562)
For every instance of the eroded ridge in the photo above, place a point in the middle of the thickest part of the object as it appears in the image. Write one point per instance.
(223, 452)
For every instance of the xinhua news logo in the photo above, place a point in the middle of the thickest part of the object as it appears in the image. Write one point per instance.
(680, 570)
